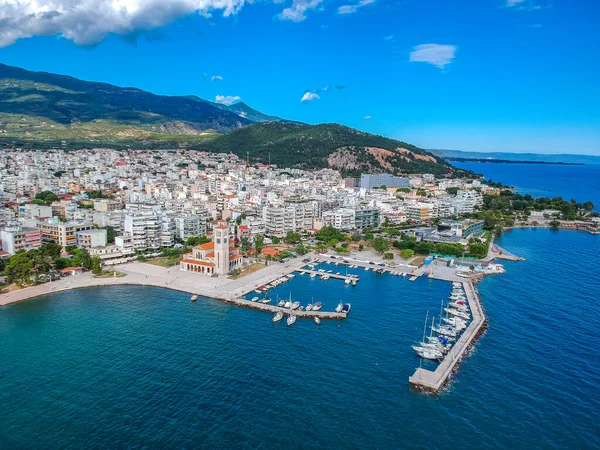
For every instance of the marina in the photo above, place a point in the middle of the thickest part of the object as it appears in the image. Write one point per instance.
(434, 380)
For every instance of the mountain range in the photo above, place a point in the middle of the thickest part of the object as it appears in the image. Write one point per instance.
(43, 110)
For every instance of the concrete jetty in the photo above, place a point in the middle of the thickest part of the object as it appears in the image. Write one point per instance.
(434, 381)
(274, 309)
(331, 275)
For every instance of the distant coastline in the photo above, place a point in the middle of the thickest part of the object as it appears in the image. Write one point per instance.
(510, 161)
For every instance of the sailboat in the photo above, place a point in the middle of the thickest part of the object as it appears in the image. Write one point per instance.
(277, 317)
(291, 319)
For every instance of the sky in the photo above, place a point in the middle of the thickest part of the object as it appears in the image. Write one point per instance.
(476, 75)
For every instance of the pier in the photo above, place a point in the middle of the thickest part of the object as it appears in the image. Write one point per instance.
(331, 275)
(274, 309)
(434, 381)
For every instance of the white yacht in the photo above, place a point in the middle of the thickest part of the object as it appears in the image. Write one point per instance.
(309, 307)
(317, 306)
(347, 281)
(277, 317)
(295, 305)
(254, 299)
(456, 312)
(339, 307)
(291, 320)
(317, 320)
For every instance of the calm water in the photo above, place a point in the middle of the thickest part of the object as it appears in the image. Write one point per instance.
(545, 180)
(143, 367)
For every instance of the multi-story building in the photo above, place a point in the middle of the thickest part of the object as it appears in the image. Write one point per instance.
(375, 180)
(91, 238)
(63, 233)
(342, 218)
(188, 226)
(144, 229)
(105, 205)
(295, 216)
(366, 217)
(466, 202)
(419, 211)
(20, 238)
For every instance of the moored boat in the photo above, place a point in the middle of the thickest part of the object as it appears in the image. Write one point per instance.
(317, 306)
(346, 308)
(278, 316)
(254, 299)
(339, 307)
(291, 319)
(317, 320)
(295, 305)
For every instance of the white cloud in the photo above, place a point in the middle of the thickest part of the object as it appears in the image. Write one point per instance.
(367, 118)
(227, 99)
(297, 12)
(389, 37)
(88, 22)
(511, 3)
(351, 9)
(436, 54)
(216, 78)
(309, 97)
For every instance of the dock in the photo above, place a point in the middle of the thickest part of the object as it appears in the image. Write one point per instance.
(274, 309)
(433, 381)
(331, 275)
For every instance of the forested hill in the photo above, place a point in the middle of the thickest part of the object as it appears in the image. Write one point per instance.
(327, 145)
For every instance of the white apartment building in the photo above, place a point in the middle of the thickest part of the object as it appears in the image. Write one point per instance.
(188, 226)
(419, 211)
(145, 230)
(466, 202)
(293, 217)
(341, 218)
(63, 233)
(91, 238)
(19, 238)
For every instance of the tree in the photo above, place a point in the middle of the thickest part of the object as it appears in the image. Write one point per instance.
(555, 224)
(498, 230)
(47, 197)
(301, 249)
(328, 233)
(421, 192)
(388, 256)
(111, 234)
(246, 244)
(259, 243)
(588, 206)
(407, 253)
(275, 240)
(424, 248)
(96, 266)
(477, 250)
(452, 190)
(197, 240)
(292, 237)
(19, 269)
(380, 244)
(361, 247)
(369, 236)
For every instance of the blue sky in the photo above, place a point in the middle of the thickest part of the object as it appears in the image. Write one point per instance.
(478, 75)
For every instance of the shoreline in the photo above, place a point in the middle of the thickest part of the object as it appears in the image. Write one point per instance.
(561, 227)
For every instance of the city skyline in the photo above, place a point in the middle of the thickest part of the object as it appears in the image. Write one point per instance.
(410, 71)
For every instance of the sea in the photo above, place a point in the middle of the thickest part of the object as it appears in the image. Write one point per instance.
(581, 183)
(142, 367)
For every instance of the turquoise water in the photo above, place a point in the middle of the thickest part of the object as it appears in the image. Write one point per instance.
(545, 180)
(143, 367)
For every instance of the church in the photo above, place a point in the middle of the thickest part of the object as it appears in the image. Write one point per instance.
(216, 257)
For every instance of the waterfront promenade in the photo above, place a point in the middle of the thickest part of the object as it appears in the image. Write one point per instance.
(141, 274)
(434, 381)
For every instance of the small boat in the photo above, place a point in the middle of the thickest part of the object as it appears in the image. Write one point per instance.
(277, 317)
(367, 269)
(317, 306)
(445, 330)
(456, 284)
(456, 312)
(458, 305)
(291, 320)
(347, 281)
(354, 282)
(313, 275)
(254, 299)
(291, 275)
(317, 320)
(339, 308)
(194, 298)
(346, 308)
(430, 354)
(287, 304)
(281, 303)
(295, 305)
(325, 277)
(258, 291)
(309, 307)
(265, 300)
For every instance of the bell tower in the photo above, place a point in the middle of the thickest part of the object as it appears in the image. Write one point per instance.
(221, 241)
